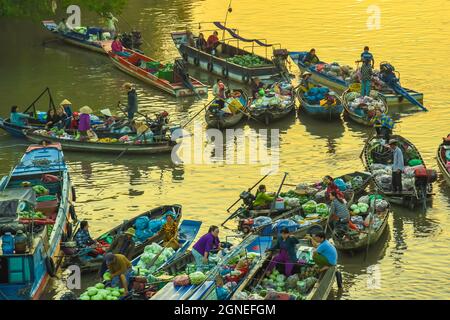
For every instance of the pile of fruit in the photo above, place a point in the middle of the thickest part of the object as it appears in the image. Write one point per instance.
(32, 215)
(40, 190)
(248, 60)
(147, 264)
(100, 292)
(108, 140)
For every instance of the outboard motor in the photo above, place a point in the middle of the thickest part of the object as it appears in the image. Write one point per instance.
(126, 40)
(136, 37)
(280, 57)
(387, 73)
(247, 198)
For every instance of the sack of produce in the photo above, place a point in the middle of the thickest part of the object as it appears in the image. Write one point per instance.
(408, 183)
(364, 199)
(155, 225)
(241, 295)
(306, 285)
(142, 235)
(142, 223)
(261, 221)
(197, 277)
(181, 280)
(320, 196)
(291, 282)
(377, 166)
(309, 207)
(292, 202)
(340, 184)
(381, 205)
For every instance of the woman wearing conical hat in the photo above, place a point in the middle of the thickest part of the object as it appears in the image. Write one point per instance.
(84, 124)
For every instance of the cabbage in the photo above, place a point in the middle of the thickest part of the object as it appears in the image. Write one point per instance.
(322, 209)
(280, 278)
(97, 297)
(356, 211)
(91, 291)
(85, 297)
(107, 276)
(353, 207)
(197, 277)
(115, 293)
(100, 286)
(310, 206)
(363, 209)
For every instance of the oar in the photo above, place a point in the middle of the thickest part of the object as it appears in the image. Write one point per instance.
(370, 225)
(207, 105)
(365, 144)
(278, 192)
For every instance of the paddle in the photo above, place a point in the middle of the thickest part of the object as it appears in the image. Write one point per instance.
(370, 227)
(207, 105)
(365, 144)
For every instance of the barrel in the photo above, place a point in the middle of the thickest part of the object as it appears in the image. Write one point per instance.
(20, 242)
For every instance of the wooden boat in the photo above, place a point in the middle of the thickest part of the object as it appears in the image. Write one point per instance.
(88, 264)
(270, 113)
(365, 239)
(26, 275)
(171, 83)
(340, 85)
(163, 146)
(77, 39)
(316, 110)
(219, 64)
(206, 290)
(215, 120)
(360, 119)
(319, 291)
(442, 161)
(373, 152)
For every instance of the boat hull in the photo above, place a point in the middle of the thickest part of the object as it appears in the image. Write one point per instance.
(441, 164)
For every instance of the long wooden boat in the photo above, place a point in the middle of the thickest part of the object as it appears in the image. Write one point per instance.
(316, 110)
(219, 65)
(269, 114)
(214, 120)
(406, 198)
(442, 161)
(319, 291)
(77, 39)
(88, 264)
(391, 98)
(164, 146)
(26, 275)
(132, 66)
(360, 119)
(207, 290)
(366, 239)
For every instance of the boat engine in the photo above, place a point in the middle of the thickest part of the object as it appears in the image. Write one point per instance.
(247, 198)
(387, 73)
(280, 59)
(245, 225)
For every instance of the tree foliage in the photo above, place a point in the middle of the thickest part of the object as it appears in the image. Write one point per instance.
(42, 8)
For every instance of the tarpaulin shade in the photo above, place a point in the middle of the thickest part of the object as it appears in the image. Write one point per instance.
(236, 36)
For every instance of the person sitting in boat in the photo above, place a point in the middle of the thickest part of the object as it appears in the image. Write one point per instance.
(255, 86)
(158, 126)
(63, 118)
(52, 119)
(169, 232)
(84, 240)
(18, 118)
(212, 43)
(188, 39)
(122, 244)
(204, 246)
(306, 83)
(311, 57)
(219, 91)
(74, 121)
(286, 243)
(332, 187)
(383, 124)
(234, 104)
(67, 106)
(131, 99)
(63, 27)
(84, 124)
(366, 56)
(200, 43)
(339, 214)
(328, 101)
(262, 199)
(121, 270)
(117, 48)
(325, 254)
(398, 165)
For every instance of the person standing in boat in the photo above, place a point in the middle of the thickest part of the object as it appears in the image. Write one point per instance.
(311, 58)
(84, 124)
(18, 118)
(205, 245)
(286, 244)
(219, 91)
(398, 165)
(200, 44)
(111, 23)
(332, 187)
(212, 43)
(366, 56)
(383, 124)
(339, 214)
(255, 86)
(132, 100)
(325, 254)
(305, 82)
(366, 78)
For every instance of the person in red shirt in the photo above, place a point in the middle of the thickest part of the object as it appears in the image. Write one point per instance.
(332, 187)
(212, 43)
(74, 121)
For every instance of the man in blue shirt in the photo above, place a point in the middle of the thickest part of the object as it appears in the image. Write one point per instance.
(398, 165)
(366, 56)
(325, 255)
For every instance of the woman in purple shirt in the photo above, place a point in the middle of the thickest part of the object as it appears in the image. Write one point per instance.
(207, 243)
(84, 124)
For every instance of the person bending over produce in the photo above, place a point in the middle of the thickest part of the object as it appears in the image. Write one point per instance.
(325, 254)
(18, 118)
(122, 244)
(311, 57)
(120, 268)
(383, 124)
(305, 82)
(331, 186)
(339, 214)
(255, 86)
(287, 255)
(262, 200)
(207, 243)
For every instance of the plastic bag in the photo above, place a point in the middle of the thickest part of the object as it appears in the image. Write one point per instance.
(142, 223)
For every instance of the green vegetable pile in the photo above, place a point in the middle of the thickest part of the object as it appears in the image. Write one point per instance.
(39, 189)
(32, 215)
(99, 292)
(197, 277)
(292, 194)
(58, 132)
(248, 60)
(309, 207)
(145, 266)
(322, 209)
(359, 208)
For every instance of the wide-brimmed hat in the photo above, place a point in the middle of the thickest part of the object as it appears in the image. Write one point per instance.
(131, 232)
(392, 141)
(65, 102)
(140, 129)
(106, 112)
(306, 73)
(127, 85)
(86, 110)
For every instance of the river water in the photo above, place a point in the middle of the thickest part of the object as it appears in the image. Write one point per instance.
(409, 262)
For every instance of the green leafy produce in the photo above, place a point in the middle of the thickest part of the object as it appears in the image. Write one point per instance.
(92, 291)
(197, 277)
(248, 60)
(100, 286)
(309, 207)
(107, 276)
(85, 297)
(322, 209)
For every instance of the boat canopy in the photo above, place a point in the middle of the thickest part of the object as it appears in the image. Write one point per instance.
(236, 36)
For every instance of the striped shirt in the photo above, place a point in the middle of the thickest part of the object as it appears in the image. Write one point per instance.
(339, 209)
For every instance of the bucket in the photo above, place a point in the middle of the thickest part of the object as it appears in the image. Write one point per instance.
(279, 204)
